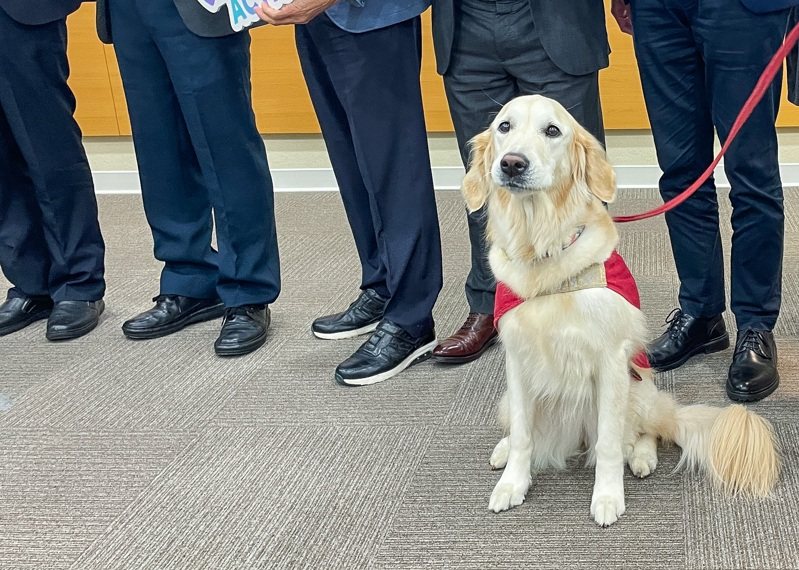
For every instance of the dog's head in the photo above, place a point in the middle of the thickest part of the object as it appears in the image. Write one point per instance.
(534, 145)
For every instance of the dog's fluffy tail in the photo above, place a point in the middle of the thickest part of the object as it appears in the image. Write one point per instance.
(732, 445)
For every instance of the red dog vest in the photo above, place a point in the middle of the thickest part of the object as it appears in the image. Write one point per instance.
(617, 278)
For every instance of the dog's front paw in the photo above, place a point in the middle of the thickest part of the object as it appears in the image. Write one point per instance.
(606, 509)
(508, 494)
(499, 457)
(643, 463)
(643, 459)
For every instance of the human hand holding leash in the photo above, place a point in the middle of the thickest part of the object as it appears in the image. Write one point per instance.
(621, 11)
(298, 12)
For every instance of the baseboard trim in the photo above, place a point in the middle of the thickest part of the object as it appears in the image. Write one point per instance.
(444, 178)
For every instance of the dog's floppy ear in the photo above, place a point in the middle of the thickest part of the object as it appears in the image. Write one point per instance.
(477, 182)
(591, 166)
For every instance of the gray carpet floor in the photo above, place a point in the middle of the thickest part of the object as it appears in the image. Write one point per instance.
(157, 455)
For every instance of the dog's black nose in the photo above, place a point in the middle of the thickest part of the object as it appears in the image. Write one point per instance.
(514, 164)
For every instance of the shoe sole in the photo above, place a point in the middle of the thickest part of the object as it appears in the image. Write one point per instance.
(209, 314)
(419, 355)
(715, 345)
(27, 322)
(242, 350)
(76, 333)
(736, 396)
(346, 334)
(453, 360)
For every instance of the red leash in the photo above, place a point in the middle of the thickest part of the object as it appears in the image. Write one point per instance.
(773, 67)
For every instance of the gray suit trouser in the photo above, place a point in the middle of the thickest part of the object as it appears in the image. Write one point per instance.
(497, 56)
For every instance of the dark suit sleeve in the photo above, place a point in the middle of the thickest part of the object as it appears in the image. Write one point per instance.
(38, 12)
(197, 19)
(764, 6)
(443, 33)
(205, 23)
(793, 62)
(103, 22)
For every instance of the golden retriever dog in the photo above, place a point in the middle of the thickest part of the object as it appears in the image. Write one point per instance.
(576, 382)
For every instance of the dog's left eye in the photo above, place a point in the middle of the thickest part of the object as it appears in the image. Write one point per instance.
(504, 127)
(552, 131)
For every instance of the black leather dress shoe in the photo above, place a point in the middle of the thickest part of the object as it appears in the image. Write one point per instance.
(73, 319)
(686, 336)
(17, 313)
(360, 318)
(753, 374)
(243, 330)
(171, 314)
(389, 351)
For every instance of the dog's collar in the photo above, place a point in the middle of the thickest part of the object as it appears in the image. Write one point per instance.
(574, 237)
(578, 231)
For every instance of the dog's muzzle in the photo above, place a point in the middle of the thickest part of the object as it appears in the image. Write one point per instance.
(514, 172)
(513, 165)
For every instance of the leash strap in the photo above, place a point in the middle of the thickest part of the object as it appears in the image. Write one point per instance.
(763, 84)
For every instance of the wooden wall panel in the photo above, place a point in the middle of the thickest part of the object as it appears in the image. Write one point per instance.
(281, 101)
(435, 101)
(620, 87)
(280, 98)
(118, 93)
(89, 78)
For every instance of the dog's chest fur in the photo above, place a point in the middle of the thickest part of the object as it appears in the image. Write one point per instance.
(560, 342)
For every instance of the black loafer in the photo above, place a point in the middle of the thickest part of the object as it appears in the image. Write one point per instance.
(361, 317)
(753, 374)
(73, 319)
(686, 336)
(17, 313)
(171, 314)
(389, 351)
(243, 330)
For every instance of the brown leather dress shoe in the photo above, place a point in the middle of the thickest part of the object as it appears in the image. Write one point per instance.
(469, 342)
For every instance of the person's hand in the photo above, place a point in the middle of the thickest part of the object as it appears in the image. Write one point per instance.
(621, 11)
(298, 12)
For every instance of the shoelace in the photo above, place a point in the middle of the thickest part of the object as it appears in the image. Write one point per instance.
(470, 320)
(751, 340)
(244, 310)
(676, 322)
